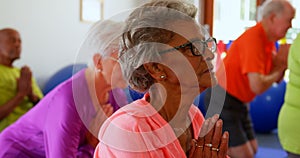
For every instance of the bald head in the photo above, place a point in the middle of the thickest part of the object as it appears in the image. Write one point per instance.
(10, 46)
(7, 31)
(276, 7)
(277, 18)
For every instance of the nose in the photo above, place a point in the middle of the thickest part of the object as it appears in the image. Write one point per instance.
(208, 55)
(18, 43)
(291, 25)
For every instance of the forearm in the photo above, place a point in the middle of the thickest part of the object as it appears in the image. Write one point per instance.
(259, 83)
(268, 80)
(9, 106)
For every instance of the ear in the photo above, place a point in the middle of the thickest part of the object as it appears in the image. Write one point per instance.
(272, 17)
(97, 61)
(155, 70)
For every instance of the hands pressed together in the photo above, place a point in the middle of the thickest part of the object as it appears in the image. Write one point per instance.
(24, 82)
(24, 86)
(211, 143)
(282, 55)
(280, 60)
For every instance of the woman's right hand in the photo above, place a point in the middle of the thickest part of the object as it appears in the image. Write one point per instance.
(211, 142)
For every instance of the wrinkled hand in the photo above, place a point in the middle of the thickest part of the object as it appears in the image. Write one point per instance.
(280, 59)
(24, 82)
(211, 142)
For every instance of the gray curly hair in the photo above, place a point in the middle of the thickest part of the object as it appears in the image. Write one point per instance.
(146, 32)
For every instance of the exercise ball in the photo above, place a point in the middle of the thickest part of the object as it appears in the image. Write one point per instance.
(199, 102)
(264, 109)
(133, 95)
(228, 44)
(62, 75)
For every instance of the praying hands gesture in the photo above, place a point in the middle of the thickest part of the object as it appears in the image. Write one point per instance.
(24, 82)
(24, 86)
(211, 142)
(280, 60)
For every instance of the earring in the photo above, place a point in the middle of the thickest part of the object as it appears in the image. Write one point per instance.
(162, 76)
(98, 70)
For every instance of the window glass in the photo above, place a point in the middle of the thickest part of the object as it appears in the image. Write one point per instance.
(292, 32)
(232, 17)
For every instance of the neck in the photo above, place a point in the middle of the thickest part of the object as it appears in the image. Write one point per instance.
(5, 62)
(170, 104)
(98, 87)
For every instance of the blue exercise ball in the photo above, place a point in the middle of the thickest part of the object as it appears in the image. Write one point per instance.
(199, 102)
(277, 46)
(62, 75)
(264, 109)
(228, 44)
(133, 95)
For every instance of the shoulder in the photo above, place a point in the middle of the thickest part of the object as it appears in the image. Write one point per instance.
(135, 116)
(196, 115)
(136, 127)
(254, 32)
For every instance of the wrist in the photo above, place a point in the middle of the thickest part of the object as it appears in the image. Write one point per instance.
(33, 98)
(20, 96)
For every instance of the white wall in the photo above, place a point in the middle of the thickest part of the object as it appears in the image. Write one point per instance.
(51, 31)
(113, 7)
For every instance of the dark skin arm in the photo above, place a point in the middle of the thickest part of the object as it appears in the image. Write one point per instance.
(9, 106)
(32, 97)
(23, 89)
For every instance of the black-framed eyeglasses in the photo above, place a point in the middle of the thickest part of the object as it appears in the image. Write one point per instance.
(197, 46)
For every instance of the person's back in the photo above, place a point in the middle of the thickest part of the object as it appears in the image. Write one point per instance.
(251, 66)
(39, 132)
(66, 121)
(288, 125)
(19, 91)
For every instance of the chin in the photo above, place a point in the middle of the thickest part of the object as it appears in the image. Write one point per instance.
(214, 82)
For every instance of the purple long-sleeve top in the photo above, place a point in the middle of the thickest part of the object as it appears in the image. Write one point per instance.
(56, 126)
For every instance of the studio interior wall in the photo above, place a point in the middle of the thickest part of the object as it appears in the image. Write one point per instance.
(51, 31)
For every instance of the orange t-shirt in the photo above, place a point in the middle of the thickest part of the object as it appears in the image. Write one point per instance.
(251, 52)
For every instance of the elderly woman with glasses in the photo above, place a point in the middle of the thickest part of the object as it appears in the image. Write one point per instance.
(165, 53)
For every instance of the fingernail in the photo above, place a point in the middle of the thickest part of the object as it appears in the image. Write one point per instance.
(216, 116)
(225, 135)
(218, 123)
(206, 122)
